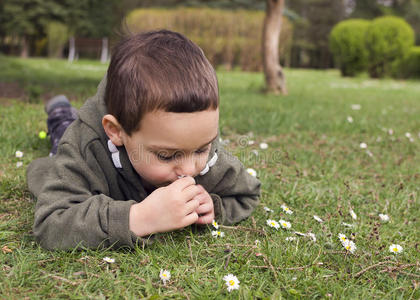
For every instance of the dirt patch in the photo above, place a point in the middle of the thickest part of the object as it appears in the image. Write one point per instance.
(11, 90)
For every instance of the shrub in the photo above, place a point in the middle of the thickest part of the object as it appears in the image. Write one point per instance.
(409, 67)
(388, 40)
(57, 34)
(228, 38)
(348, 47)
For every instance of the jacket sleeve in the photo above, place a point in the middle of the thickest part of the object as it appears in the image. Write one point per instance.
(73, 209)
(235, 193)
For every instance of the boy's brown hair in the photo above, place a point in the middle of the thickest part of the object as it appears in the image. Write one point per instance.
(158, 70)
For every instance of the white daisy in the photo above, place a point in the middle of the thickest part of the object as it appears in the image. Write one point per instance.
(349, 119)
(286, 209)
(217, 233)
(356, 106)
(318, 219)
(347, 224)
(284, 224)
(369, 153)
(109, 260)
(215, 225)
(353, 214)
(251, 142)
(19, 154)
(164, 275)
(411, 140)
(312, 236)
(255, 152)
(19, 164)
(273, 223)
(267, 209)
(342, 237)
(395, 248)
(363, 145)
(350, 246)
(384, 218)
(408, 135)
(232, 282)
(290, 238)
(299, 233)
(257, 243)
(263, 146)
(252, 172)
(390, 131)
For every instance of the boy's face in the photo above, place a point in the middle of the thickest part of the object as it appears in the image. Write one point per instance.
(169, 145)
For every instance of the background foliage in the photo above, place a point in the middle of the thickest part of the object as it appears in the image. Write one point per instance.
(347, 43)
(228, 38)
(388, 40)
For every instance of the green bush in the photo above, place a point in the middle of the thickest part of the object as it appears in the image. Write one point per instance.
(57, 34)
(228, 38)
(348, 47)
(410, 65)
(388, 40)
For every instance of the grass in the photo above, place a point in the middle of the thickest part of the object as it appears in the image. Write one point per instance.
(313, 164)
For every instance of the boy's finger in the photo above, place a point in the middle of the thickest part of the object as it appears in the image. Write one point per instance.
(191, 206)
(190, 192)
(204, 208)
(206, 219)
(183, 183)
(190, 219)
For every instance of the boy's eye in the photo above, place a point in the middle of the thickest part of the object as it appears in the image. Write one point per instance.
(163, 155)
(202, 150)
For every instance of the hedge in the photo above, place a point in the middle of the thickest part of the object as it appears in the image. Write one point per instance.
(409, 67)
(229, 38)
(347, 43)
(388, 40)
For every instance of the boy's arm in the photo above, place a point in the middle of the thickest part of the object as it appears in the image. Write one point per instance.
(72, 207)
(235, 193)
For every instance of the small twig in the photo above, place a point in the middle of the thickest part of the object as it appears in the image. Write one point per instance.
(358, 274)
(59, 278)
(227, 260)
(191, 255)
(267, 261)
(280, 268)
(231, 245)
(254, 224)
(410, 274)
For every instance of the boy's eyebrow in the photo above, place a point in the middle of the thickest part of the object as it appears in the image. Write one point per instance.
(154, 147)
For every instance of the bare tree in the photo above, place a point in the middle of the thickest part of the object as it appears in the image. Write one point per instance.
(274, 75)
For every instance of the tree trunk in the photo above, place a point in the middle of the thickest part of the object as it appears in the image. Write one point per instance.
(72, 49)
(24, 51)
(274, 76)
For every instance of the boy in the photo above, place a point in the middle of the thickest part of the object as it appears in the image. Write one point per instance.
(143, 155)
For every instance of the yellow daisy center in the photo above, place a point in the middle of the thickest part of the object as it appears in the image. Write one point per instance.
(395, 249)
(231, 282)
(348, 247)
(164, 275)
(284, 224)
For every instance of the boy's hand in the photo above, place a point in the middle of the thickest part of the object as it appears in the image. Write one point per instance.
(206, 209)
(167, 208)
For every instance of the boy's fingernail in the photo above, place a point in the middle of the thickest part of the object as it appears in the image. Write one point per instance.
(181, 176)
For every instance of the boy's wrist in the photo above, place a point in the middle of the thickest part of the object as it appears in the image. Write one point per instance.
(138, 223)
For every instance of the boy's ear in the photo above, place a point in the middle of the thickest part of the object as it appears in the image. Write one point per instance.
(113, 129)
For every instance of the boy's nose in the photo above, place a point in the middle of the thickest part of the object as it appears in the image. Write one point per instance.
(186, 167)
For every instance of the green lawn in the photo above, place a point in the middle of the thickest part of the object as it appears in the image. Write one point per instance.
(313, 164)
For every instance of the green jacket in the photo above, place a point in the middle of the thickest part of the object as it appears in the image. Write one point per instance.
(83, 199)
